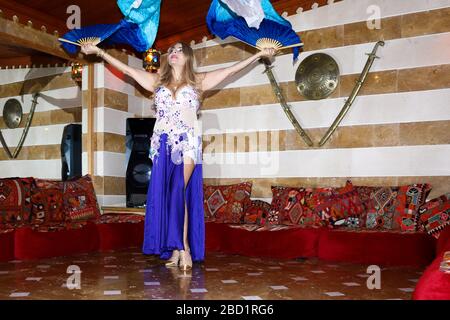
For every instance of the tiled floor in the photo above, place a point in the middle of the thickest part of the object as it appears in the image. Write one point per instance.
(127, 274)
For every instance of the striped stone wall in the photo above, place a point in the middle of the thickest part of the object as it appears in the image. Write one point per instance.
(397, 131)
(58, 105)
(116, 98)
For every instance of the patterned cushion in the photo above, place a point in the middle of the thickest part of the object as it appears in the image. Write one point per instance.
(314, 207)
(47, 201)
(80, 201)
(410, 199)
(393, 208)
(273, 218)
(290, 206)
(435, 215)
(342, 209)
(257, 212)
(15, 200)
(227, 203)
(316, 196)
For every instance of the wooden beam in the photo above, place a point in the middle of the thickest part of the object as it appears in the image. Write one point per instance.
(16, 34)
(36, 60)
(39, 18)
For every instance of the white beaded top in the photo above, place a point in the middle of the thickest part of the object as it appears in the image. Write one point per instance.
(178, 118)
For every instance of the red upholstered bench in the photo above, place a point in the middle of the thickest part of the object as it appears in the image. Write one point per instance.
(376, 247)
(118, 231)
(30, 244)
(7, 246)
(384, 248)
(283, 244)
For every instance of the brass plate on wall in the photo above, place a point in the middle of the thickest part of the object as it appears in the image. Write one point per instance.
(317, 76)
(12, 113)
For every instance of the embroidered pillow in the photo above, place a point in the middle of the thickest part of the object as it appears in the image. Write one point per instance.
(410, 199)
(338, 206)
(434, 215)
(393, 208)
(257, 212)
(342, 209)
(15, 200)
(47, 201)
(226, 203)
(292, 206)
(80, 200)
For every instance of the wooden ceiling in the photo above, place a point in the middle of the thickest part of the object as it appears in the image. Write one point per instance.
(181, 20)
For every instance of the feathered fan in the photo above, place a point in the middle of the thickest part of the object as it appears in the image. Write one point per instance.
(138, 28)
(267, 28)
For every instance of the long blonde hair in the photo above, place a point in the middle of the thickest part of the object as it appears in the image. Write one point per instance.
(188, 75)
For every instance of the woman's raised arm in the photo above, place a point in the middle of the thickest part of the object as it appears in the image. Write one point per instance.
(145, 79)
(215, 77)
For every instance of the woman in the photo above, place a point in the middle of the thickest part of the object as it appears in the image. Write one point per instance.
(174, 223)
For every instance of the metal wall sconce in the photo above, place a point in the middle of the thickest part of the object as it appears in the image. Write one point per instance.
(152, 60)
(77, 72)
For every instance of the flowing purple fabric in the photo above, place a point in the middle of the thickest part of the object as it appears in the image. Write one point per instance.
(164, 219)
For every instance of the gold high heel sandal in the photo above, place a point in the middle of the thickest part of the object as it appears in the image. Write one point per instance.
(174, 260)
(185, 260)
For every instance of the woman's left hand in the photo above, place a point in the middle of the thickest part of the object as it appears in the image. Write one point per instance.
(267, 52)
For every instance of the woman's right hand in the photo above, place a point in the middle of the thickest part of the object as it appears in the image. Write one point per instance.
(89, 48)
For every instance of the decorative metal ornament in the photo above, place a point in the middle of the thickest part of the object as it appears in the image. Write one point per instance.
(24, 132)
(286, 108)
(77, 72)
(12, 113)
(152, 60)
(354, 93)
(317, 76)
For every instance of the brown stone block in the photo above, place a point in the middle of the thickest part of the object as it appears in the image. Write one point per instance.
(220, 54)
(426, 78)
(218, 99)
(359, 32)
(322, 38)
(376, 83)
(115, 100)
(257, 95)
(428, 22)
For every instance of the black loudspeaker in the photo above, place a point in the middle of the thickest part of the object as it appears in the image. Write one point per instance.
(71, 152)
(139, 165)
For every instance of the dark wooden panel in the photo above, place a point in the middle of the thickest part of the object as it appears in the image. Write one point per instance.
(181, 20)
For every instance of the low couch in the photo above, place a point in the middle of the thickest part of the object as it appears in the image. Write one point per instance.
(42, 218)
(46, 218)
(386, 226)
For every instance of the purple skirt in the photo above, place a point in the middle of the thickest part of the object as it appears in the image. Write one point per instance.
(165, 210)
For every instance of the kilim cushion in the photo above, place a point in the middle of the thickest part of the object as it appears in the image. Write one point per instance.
(226, 203)
(47, 201)
(80, 201)
(393, 208)
(15, 200)
(292, 206)
(257, 212)
(435, 215)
